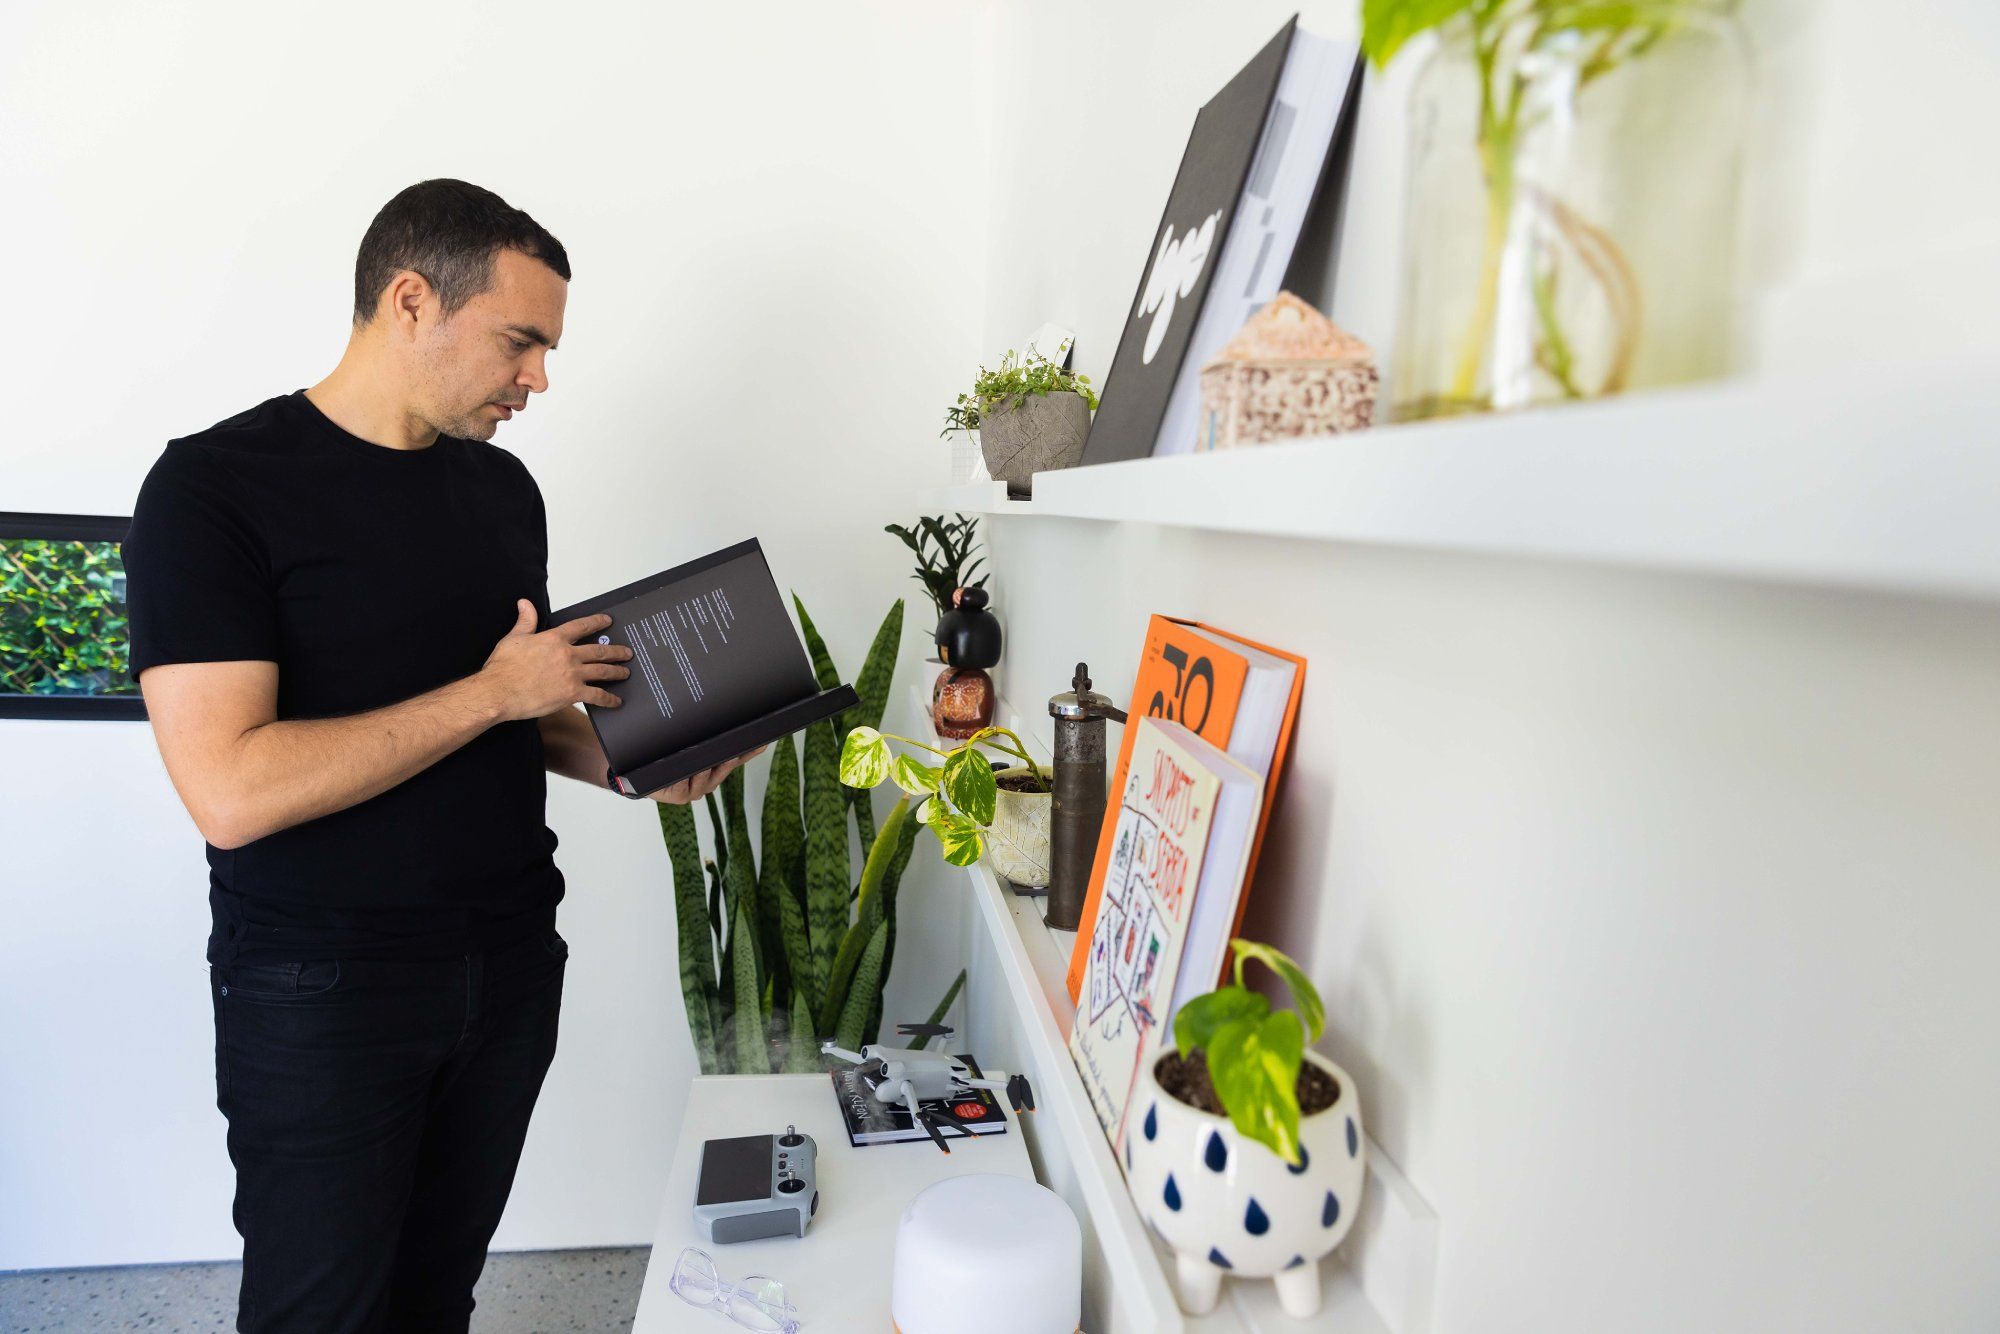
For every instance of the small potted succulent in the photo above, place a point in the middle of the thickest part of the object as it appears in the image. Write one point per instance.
(942, 547)
(1243, 1146)
(1031, 416)
(973, 808)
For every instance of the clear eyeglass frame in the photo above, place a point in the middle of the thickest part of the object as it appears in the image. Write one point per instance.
(757, 1302)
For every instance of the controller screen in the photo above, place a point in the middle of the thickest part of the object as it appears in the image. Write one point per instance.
(735, 1169)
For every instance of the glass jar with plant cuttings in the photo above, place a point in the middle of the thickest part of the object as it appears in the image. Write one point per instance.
(1573, 201)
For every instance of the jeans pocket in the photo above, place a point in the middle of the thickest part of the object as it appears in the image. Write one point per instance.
(279, 981)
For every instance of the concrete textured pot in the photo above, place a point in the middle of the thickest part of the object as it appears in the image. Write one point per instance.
(1017, 842)
(1029, 433)
(1227, 1204)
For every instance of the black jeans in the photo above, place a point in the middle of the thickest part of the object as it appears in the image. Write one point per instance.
(376, 1112)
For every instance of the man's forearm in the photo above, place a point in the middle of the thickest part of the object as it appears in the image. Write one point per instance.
(570, 748)
(288, 772)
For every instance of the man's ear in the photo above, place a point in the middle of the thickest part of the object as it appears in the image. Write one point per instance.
(411, 302)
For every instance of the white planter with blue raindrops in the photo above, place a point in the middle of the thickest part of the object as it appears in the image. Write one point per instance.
(1227, 1205)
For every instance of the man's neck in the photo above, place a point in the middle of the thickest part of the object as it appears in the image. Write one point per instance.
(360, 400)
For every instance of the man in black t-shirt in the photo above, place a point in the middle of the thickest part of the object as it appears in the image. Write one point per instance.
(334, 599)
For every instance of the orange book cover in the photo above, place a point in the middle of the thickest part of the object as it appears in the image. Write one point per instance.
(1182, 657)
(1189, 674)
(1185, 676)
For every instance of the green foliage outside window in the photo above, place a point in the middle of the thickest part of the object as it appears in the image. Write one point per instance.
(62, 618)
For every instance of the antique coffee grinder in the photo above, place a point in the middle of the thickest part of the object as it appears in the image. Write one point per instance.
(1077, 816)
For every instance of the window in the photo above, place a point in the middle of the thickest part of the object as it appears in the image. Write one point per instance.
(64, 649)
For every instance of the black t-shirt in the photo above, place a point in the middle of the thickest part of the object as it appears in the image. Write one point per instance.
(368, 575)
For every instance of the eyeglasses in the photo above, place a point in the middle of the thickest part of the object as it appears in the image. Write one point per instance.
(757, 1303)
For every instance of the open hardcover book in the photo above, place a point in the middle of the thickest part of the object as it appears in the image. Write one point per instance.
(717, 669)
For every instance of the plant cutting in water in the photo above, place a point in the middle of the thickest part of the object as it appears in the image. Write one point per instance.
(1533, 60)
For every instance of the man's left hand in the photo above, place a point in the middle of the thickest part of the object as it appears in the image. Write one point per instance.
(693, 789)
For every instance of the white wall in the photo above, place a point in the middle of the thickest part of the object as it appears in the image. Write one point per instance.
(1651, 911)
(1654, 914)
(773, 229)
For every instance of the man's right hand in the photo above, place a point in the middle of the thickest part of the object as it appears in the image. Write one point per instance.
(533, 675)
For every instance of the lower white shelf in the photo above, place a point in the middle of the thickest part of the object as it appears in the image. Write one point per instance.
(1127, 1276)
(1018, 1018)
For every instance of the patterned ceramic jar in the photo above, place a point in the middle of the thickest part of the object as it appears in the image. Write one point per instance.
(1227, 1204)
(1017, 842)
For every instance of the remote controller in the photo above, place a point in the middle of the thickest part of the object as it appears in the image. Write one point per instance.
(754, 1186)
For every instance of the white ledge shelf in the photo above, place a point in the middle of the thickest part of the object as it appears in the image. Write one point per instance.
(1885, 480)
(1380, 1279)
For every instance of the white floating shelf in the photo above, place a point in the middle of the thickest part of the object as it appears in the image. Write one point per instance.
(1886, 480)
(1033, 961)
(981, 497)
(1378, 1282)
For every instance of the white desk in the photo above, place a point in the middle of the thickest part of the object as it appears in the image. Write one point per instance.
(838, 1273)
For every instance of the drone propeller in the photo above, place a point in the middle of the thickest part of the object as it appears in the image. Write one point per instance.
(1020, 1094)
(924, 1030)
(933, 1123)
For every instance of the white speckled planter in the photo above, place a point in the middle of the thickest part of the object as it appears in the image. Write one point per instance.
(1226, 1204)
(1017, 842)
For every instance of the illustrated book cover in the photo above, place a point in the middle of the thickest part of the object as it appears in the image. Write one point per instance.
(1183, 827)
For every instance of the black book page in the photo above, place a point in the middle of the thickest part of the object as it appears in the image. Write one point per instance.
(712, 648)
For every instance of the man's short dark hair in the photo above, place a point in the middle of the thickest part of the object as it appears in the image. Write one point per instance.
(449, 231)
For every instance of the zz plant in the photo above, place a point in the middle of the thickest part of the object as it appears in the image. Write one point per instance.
(958, 797)
(1254, 1052)
(941, 546)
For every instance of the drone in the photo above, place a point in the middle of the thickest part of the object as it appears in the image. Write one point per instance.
(911, 1076)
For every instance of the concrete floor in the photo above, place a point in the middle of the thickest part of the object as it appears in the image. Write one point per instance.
(520, 1292)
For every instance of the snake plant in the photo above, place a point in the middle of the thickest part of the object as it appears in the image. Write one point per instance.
(783, 946)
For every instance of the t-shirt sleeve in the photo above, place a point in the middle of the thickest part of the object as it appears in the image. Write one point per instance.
(540, 594)
(197, 580)
(541, 525)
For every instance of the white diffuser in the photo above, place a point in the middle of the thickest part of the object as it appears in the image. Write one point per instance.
(987, 1254)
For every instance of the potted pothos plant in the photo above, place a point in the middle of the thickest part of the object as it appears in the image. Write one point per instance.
(974, 809)
(1031, 415)
(1243, 1146)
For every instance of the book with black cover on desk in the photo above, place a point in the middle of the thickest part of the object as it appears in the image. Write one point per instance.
(717, 669)
(869, 1121)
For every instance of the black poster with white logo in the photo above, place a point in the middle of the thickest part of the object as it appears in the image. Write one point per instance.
(1180, 266)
